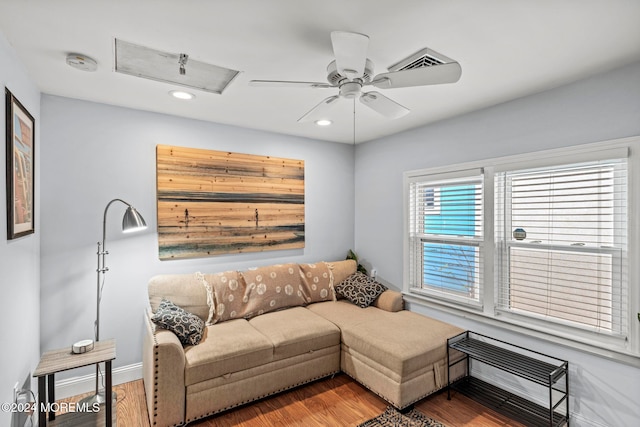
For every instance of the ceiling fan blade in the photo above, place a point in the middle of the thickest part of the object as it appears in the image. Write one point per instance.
(433, 75)
(383, 105)
(285, 83)
(350, 50)
(317, 112)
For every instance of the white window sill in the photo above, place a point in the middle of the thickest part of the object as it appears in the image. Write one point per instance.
(618, 354)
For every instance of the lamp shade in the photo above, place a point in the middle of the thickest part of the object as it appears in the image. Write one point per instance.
(132, 221)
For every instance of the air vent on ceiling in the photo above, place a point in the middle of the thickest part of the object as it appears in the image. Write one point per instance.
(423, 58)
(174, 68)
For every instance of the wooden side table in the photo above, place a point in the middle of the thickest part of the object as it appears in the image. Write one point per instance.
(55, 361)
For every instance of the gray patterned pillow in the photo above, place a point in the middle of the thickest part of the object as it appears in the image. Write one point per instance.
(360, 289)
(187, 326)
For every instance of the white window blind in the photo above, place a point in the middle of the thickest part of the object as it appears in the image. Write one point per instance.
(446, 237)
(570, 268)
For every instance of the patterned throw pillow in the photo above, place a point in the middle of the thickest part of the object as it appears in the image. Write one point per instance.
(187, 326)
(360, 289)
(225, 294)
(272, 288)
(318, 282)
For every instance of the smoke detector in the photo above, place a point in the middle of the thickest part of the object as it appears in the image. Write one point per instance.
(81, 62)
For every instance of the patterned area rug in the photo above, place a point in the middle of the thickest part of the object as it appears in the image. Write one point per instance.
(392, 418)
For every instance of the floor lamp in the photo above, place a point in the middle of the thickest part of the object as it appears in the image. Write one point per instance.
(132, 221)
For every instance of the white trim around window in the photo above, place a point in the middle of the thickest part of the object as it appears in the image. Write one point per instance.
(621, 341)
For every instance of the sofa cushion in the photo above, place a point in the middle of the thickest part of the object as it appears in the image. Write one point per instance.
(389, 301)
(184, 290)
(187, 326)
(342, 313)
(404, 341)
(317, 280)
(342, 269)
(226, 347)
(296, 331)
(360, 289)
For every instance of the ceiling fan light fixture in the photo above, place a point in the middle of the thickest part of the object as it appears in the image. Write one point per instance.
(181, 94)
(323, 122)
(350, 90)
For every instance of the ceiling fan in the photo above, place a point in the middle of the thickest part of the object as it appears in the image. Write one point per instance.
(352, 70)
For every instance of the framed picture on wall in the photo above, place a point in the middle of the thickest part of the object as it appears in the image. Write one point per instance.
(20, 127)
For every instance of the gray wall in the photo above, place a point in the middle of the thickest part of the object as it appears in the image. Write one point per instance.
(19, 259)
(599, 108)
(93, 153)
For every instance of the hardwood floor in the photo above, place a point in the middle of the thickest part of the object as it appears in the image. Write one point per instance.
(337, 401)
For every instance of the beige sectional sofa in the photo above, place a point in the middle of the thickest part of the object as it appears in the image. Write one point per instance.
(297, 334)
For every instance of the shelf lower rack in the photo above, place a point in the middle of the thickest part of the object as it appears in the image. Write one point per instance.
(514, 406)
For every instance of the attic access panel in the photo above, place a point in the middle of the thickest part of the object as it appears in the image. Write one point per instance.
(165, 67)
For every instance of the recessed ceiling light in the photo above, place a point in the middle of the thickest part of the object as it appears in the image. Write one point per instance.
(180, 94)
(323, 122)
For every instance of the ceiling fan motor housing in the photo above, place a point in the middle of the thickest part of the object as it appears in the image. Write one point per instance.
(335, 78)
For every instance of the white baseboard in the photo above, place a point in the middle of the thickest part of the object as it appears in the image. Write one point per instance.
(578, 420)
(86, 383)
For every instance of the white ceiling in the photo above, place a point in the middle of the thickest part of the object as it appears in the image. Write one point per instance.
(507, 49)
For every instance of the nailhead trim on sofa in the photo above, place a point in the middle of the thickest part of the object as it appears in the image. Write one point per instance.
(262, 397)
(155, 382)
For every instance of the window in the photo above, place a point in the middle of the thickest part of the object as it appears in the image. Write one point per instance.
(446, 237)
(569, 267)
(537, 243)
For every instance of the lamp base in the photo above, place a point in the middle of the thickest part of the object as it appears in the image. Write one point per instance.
(97, 398)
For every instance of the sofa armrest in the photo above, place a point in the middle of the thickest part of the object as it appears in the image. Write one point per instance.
(163, 365)
(390, 301)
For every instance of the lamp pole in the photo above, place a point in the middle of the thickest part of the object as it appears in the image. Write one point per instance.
(131, 222)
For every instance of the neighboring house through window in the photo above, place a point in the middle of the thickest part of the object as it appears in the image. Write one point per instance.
(536, 241)
(446, 241)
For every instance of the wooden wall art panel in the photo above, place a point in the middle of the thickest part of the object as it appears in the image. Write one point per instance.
(217, 202)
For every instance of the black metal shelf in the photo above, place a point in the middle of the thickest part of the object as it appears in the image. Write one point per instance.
(533, 366)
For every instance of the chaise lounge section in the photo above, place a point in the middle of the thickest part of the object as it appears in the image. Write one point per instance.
(291, 332)
(399, 355)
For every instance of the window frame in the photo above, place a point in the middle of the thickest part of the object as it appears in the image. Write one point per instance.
(617, 251)
(625, 350)
(460, 178)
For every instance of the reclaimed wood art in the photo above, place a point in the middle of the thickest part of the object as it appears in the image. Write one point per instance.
(217, 202)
